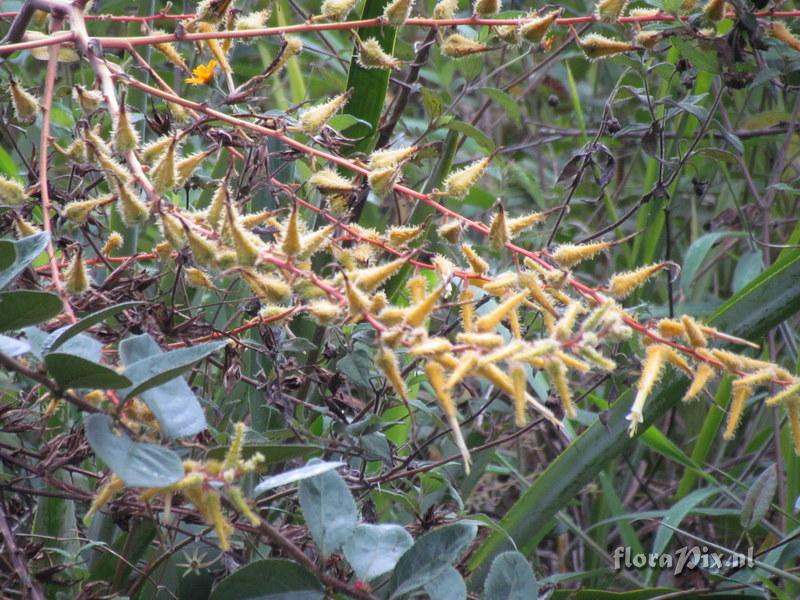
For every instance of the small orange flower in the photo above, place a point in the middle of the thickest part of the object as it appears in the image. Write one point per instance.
(202, 74)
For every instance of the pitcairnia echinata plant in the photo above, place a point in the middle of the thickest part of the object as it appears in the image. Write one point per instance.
(450, 302)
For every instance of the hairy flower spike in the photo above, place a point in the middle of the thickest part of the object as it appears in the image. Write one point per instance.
(510, 34)
(609, 10)
(381, 181)
(187, 166)
(78, 211)
(336, 10)
(312, 120)
(12, 192)
(518, 378)
(651, 372)
(788, 394)
(596, 46)
(372, 56)
(165, 172)
(328, 181)
(370, 279)
(131, 209)
(125, 136)
(445, 9)
(88, 100)
(76, 277)
(386, 361)
(569, 255)
(492, 319)
(456, 45)
(779, 31)
(499, 234)
(255, 20)
(397, 12)
(623, 284)
(714, 10)
(435, 373)
(291, 243)
(557, 372)
(693, 332)
(417, 314)
(519, 224)
(391, 157)
(534, 29)
(26, 105)
(476, 263)
(458, 183)
(741, 393)
(404, 234)
(534, 286)
(486, 8)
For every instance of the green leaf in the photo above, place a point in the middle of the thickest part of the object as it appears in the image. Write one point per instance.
(65, 333)
(772, 297)
(747, 269)
(21, 308)
(12, 346)
(701, 60)
(473, 132)
(8, 254)
(26, 250)
(373, 550)
(329, 510)
(311, 470)
(510, 578)
(449, 585)
(759, 497)
(506, 100)
(269, 579)
(369, 85)
(696, 254)
(71, 371)
(430, 555)
(173, 402)
(357, 367)
(156, 369)
(137, 464)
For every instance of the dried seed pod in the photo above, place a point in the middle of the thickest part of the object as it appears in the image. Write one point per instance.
(456, 45)
(293, 46)
(397, 12)
(596, 46)
(534, 28)
(313, 119)
(458, 183)
(651, 373)
(12, 192)
(623, 284)
(26, 105)
(372, 56)
(114, 171)
(76, 277)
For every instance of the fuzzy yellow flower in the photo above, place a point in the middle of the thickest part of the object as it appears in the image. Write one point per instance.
(202, 74)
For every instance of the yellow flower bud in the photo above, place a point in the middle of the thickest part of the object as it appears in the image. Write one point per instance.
(693, 332)
(196, 278)
(569, 255)
(450, 231)
(417, 314)
(132, 209)
(787, 394)
(466, 365)
(291, 243)
(88, 100)
(78, 211)
(404, 234)
(391, 157)
(124, 134)
(381, 181)
(165, 172)
(255, 20)
(476, 263)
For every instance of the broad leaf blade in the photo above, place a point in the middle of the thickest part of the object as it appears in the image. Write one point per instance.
(21, 308)
(329, 510)
(26, 251)
(71, 371)
(269, 579)
(70, 331)
(137, 464)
